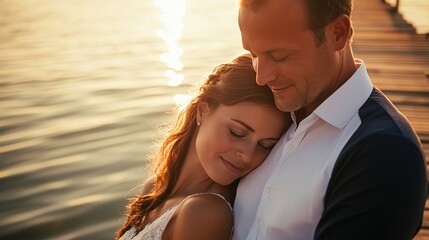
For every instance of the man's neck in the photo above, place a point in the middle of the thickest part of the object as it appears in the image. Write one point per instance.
(346, 68)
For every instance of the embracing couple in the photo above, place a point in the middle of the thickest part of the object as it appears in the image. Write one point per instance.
(290, 141)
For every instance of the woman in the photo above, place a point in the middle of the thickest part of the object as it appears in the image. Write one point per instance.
(226, 131)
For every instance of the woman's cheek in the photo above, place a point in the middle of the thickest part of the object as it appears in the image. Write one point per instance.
(259, 159)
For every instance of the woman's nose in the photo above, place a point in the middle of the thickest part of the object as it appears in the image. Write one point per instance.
(245, 154)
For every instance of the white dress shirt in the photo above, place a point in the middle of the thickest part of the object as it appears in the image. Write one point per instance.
(283, 198)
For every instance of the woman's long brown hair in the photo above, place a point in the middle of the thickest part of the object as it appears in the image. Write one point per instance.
(228, 84)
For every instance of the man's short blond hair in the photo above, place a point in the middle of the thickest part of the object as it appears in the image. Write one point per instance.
(319, 13)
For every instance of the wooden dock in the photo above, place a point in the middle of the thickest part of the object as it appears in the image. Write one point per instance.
(398, 63)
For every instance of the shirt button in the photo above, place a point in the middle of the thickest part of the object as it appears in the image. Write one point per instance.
(268, 189)
(290, 147)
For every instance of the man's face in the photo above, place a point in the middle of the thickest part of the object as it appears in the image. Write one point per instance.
(286, 56)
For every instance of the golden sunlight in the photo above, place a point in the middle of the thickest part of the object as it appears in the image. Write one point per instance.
(172, 13)
(182, 100)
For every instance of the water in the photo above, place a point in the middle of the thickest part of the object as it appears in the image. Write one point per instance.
(83, 85)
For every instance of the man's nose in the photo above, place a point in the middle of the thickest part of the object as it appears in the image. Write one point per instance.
(265, 72)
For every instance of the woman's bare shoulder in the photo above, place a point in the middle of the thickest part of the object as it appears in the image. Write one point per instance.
(203, 216)
(209, 202)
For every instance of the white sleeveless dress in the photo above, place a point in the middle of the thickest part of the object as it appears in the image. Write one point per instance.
(155, 229)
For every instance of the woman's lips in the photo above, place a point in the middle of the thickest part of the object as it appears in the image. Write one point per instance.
(231, 166)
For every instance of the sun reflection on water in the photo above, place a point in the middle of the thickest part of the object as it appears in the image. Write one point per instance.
(172, 15)
(182, 100)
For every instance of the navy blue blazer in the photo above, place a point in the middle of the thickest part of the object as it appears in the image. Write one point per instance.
(378, 186)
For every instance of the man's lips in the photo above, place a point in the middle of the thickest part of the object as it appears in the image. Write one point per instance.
(279, 89)
(231, 166)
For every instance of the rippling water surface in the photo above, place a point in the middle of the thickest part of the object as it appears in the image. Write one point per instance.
(82, 86)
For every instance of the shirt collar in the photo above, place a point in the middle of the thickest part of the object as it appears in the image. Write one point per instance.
(339, 108)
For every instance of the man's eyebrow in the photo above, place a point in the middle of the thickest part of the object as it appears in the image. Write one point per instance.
(244, 124)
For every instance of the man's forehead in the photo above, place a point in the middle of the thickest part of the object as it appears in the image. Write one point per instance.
(260, 29)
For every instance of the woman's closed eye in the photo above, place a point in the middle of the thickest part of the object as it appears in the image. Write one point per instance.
(267, 145)
(236, 133)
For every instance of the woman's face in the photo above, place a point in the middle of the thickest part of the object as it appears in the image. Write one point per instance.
(234, 140)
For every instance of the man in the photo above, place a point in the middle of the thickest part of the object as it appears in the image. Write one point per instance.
(351, 166)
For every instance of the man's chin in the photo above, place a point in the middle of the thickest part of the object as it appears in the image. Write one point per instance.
(285, 105)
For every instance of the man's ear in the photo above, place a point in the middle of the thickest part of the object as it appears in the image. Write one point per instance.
(202, 111)
(339, 32)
